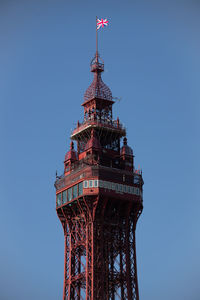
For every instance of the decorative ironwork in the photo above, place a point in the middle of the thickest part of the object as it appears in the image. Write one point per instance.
(98, 89)
(99, 200)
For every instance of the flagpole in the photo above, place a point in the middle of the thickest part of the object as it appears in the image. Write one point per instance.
(96, 42)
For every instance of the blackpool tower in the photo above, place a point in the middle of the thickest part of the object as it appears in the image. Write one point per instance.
(98, 201)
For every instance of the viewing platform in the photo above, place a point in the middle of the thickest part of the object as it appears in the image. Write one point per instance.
(113, 125)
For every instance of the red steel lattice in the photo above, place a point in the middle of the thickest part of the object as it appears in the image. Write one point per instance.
(99, 200)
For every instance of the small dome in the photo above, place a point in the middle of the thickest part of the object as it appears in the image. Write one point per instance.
(125, 149)
(98, 89)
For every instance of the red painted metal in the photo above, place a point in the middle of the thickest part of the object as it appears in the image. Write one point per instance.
(99, 200)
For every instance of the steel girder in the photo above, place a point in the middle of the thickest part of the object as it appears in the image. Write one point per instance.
(100, 254)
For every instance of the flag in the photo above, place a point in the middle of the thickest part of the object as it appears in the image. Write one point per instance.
(101, 22)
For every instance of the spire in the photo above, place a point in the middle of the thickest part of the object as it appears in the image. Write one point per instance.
(97, 89)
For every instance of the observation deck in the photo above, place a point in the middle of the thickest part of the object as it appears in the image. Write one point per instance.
(112, 126)
(99, 180)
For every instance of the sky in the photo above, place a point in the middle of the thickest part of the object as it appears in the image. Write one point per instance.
(152, 64)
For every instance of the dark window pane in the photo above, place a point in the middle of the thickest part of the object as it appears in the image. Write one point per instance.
(59, 199)
(70, 194)
(95, 183)
(75, 191)
(90, 183)
(80, 188)
(64, 197)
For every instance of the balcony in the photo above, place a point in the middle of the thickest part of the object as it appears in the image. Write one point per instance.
(112, 125)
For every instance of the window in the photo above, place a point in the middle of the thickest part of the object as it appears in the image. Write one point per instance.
(100, 183)
(132, 190)
(90, 183)
(136, 179)
(75, 191)
(113, 186)
(70, 194)
(109, 185)
(95, 183)
(80, 188)
(129, 189)
(59, 199)
(85, 184)
(105, 185)
(120, 187)
(124, 188)
(64, 196)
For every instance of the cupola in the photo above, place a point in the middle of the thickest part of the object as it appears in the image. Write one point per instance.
(98, 89)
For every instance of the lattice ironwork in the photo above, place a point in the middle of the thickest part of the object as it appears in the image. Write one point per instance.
(98, 89)
(100, 259)
(99, 200)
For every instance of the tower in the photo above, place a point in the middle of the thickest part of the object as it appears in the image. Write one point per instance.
(98, 201)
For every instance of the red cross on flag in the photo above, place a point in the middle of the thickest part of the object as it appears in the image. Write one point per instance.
(101, 23)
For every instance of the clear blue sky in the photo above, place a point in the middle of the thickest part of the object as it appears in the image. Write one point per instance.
(151, 53)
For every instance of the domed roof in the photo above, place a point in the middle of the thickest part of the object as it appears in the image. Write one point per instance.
(71, 154)
(125, 149)
(97, 89)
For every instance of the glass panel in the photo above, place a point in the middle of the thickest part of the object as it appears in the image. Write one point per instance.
(90, 183)
(136, 179)
(64, 197)
(80, 188)
(113, 186)
(100, 183)
(59, 199)
(85, 184)
(70, 194)
(109, 185)
(105, 184)
(95, 183)
(75, 191)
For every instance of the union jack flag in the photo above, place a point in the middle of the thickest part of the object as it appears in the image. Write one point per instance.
(101, 22)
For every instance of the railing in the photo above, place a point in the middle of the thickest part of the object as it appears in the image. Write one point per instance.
(82, 171)
(97, 65)
(113, 124)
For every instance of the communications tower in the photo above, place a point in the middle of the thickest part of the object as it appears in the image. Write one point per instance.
(98, 201)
